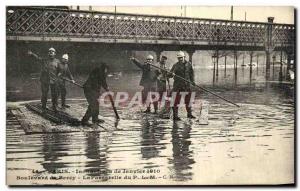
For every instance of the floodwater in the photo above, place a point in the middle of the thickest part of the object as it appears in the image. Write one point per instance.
(253, 144)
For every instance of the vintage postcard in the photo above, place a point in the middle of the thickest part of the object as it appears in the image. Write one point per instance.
(161, 95)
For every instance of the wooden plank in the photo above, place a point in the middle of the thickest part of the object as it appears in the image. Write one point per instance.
(58, 117)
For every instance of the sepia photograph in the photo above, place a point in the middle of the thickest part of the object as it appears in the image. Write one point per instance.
(150, 95)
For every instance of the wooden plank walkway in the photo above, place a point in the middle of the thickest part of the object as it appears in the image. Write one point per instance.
(34, 120)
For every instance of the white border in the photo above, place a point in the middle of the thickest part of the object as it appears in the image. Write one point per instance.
(3, 186)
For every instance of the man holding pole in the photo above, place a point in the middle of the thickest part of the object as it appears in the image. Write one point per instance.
(182, 70)
(148, 80)
(63, 74)
(91, 88)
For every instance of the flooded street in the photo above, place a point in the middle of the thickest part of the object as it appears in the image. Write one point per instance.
(250, 144)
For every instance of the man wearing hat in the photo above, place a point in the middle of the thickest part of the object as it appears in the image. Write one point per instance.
(64, 73)
(48, 77)
(185, 70)
(148, 80)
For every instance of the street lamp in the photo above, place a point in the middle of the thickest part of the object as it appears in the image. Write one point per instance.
(214, 59)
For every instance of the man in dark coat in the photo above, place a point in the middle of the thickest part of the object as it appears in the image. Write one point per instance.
(49, 72)
(148, 80)
(185, 70)
(64, 73)
(92, 86)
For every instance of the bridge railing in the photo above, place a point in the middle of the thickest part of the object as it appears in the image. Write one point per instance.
(30, 21)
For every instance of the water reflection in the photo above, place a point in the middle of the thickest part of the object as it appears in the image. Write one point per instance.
(182, 156)
(98, 164)
(53, 149)
(152, 133)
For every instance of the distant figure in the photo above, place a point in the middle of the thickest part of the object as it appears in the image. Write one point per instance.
(148, 80)
(162, 80)
(92, 86)
(162, 77)
(64, 73)
(185, 70)
(49, 72)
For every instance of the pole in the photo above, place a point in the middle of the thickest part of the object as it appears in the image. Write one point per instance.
(217, 76)
(273, 73)
(204, 89)
(214, 73)
(257, 64)
(251, 58)
(231, 15)
(280, 71)
(235, 67)
(225, 65)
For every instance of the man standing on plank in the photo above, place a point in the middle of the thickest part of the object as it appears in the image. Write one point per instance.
(91, 88)
(64, 73)
(185, 70)
(148, 80)
(48, 77)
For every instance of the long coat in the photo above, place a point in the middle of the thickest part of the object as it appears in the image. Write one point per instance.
(149, 75)
(184, 70)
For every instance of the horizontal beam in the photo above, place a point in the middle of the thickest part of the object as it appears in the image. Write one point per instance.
(146, 44)
(134, 41)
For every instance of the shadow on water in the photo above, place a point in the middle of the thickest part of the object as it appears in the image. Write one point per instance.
(182, 155)
(150, 138)
(97, 165)
(53, 150)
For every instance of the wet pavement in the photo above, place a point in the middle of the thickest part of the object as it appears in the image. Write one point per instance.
(251, 144)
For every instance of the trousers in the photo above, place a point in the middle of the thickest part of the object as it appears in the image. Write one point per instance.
(93, 105)
(45, 90)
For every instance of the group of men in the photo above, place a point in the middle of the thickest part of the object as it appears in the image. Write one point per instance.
(55, 72)
(156, 80)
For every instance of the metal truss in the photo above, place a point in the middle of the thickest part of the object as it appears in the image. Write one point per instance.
(38, 22)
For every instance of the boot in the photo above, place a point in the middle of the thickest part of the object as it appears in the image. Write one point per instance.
(54, 108)
(155, 108)
(84, 123)
(189, 113)
(65, 106)
(63, 103)
(147, 110)
(97, 121)
(175, 114)
(44, 108)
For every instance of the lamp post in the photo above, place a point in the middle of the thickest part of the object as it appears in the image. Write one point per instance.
(217, 61)
(274, 58)
(280, 71)
(214, 59)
